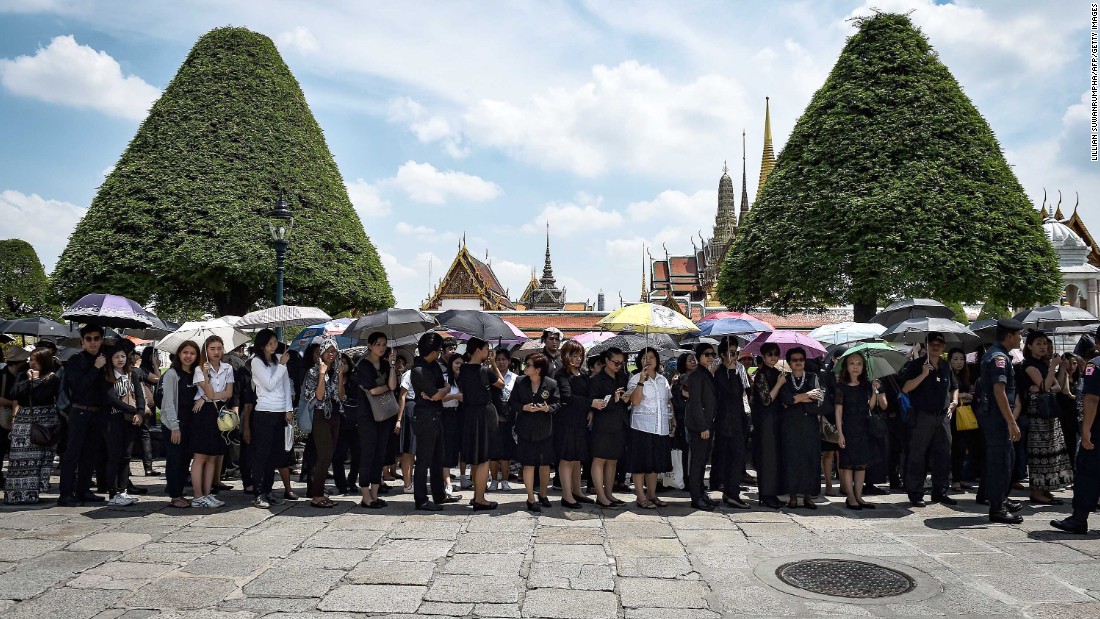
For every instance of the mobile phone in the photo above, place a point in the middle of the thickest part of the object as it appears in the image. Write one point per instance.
(606, 399)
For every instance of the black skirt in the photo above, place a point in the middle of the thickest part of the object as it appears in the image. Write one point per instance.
(206, 438)
(800, 438)
(405, 444)
(649, 453)
(535, 453)
(479, 427)
(607, 440)
(503, 446)
(451, 420)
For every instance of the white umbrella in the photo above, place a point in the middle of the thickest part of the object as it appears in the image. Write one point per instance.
(197, 332)
(282, 316)
(845, 332)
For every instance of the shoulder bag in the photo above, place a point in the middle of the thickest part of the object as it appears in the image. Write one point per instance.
(43, 435)
(383, 406)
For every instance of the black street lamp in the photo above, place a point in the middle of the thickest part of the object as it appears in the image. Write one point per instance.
(280, 222)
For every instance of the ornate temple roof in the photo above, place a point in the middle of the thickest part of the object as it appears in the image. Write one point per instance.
(469, 279)
(545, 295)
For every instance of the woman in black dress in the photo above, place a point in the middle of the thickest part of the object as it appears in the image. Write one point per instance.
(479, 416)
(534, 400)
(374, 374)
(800, 431)
(855, 397)
(571, 423)
(608, 437)
(766, 409)
(685, 364)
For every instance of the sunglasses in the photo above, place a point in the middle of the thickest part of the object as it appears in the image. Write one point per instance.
(708, 354)
(93, 338)
(614, 363)
(771, 354)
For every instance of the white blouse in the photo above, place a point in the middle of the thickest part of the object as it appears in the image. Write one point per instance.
(219, 378)
(654, 413)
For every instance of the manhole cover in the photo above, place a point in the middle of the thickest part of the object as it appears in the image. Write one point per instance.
(844, 578)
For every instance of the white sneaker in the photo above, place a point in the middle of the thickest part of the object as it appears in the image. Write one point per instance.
(505, 486)
(119, 500)
(261, 502)
(449, 490)
(464, 482)
(200, 501)
(213, 501)
(493, 486)
(131, 499)
(409, 489)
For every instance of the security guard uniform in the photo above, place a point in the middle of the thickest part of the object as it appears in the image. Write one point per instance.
(999, 450)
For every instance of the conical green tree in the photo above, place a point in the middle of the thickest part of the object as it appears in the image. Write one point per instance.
(24, 287)
(891, 185)
(181, 221)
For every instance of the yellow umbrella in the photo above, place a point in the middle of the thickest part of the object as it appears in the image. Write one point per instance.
(648, 318)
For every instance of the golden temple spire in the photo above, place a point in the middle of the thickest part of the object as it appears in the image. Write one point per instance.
(767, 162)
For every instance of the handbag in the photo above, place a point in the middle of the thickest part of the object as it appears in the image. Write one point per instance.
(876, 427)
(829, 433)
(305, 414)
(384, 406)
(43, 436)
(228, 420)
(965, 419)
(1043, 405)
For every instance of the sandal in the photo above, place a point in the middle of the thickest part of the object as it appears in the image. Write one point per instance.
(326, 504)
(180, 503)
(645, 504)
(658, 502)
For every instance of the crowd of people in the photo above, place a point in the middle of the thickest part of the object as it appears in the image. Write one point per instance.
(600, 426)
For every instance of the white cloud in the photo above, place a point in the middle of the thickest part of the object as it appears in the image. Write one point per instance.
(628, 117)
(395, 269)
(696, 209)
(407, 228)
(427, 127)
(367, 201)
(583, 213)
(25, 217)
(422, 182)
(300, 39)
(75, 75)
(107, 171)
(514, 275)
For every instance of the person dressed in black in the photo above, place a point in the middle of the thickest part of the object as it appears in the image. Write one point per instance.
(1086, 486)
(82, 382)
(479, 416)
(608, 424)
(345, 473)
(829, 449)
(702, 411)
(375, 375)
(571, 423)
(855, 397)
(731, 429)
(126, 411)
(1048, 463)
(429, 387)
(800, 431)
(997, 413)
(766, 410)
(149, 367)
(179, 391)
(535, 399)
(964, 442)
(685, 365)
(551, 349)
(933, 392)
(30, 463)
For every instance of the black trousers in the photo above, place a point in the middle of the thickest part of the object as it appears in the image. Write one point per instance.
(697, 464)
(267, 451)
(81, 453)
(897, 436)
(1086, 482)
(962, 443)
(929, 447)
(345, 475)
(144, 441)
(119, 434)
(732, 464)
(177, 461)
(374, 441)
(1000, 453)
(428, 431)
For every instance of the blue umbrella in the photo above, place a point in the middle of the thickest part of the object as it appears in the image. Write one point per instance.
(330, 328)
(732, 326)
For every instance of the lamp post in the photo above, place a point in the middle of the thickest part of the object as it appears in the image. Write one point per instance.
(280, 222)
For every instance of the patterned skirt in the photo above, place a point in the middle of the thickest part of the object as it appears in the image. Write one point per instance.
(29, 465)
(1047, 457)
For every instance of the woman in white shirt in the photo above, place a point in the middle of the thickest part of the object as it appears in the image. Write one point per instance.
(215, 382)
(264, 429)
(651, 428)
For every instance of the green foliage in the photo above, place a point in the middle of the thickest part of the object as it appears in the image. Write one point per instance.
(994, 309)
(24, 287)
(891, 185)
(960, 311)
(181, 221)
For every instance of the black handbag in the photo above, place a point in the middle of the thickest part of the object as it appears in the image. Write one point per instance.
(876, 428)
(1043, 405)
(43, 436)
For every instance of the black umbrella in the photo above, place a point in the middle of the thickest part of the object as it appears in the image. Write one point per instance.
(916, 330)
(108, 310)
(912, 308)
(158, 330)
(986, 329)
(396, 323)
(38, 327)
(634, 342)
(477, 324)
(1053, 316)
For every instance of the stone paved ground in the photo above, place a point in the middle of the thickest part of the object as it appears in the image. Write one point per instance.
(295, 561)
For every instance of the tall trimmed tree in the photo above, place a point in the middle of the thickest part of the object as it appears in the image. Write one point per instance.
(181, 221)
(24, 287)
(891, 185)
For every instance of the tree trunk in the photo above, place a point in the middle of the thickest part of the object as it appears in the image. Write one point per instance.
(864, 312)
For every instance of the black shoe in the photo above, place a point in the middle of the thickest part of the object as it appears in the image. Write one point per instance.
(377, 504)
(895, 485)
(714, 502)
(1004, 517)
(772, 502)
(855, 507)
(944, 500)
(68, 501)
(702, 505)
(981, 501)
(384, 489)
(873, 490)
(482, 507)
(150, 472)
(616, 502)
(428, 506)
(532, 506)
(88, 497)
(866, 505)
(132, 489)
(809, 505)
(917, 502)
(573, 505)
(1013, 506)
(1069, 525)
(737, 502)
(625, 488)
(454, 498)
(580, 498)
(544, 501)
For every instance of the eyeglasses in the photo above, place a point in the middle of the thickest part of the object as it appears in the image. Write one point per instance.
(708, 354)
(93, 338)
(614, 363)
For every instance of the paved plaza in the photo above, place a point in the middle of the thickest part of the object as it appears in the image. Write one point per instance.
(296, 561)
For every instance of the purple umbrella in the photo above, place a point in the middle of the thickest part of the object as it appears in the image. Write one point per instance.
(786, 341)
(108, 310)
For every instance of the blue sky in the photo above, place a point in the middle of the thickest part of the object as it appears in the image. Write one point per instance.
(611, 120)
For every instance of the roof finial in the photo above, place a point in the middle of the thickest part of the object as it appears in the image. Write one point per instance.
(1043, 208)
(1059, 213)
(1078, 201)
(725, 168)
(767, 161)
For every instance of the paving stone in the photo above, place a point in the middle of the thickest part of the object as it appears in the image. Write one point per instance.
(712, 537)
(65, 603)
(20, 549)
(406, 549)
(484, 565)
(662, 593)
(443, 608)
(374, 599)
(66, 561)
(570, 535)
(263, 606)
(563, 604)
(293, 581)
(356, 521)
(456, 588)
(570, 576)
(231, 565)
(1064, 611)
(1080, 575)
(263, 545)
(653, 567)
(346, 559)
(639, 526)
(165, 552)
(1033, 588)
(945, 543)
(360, 540)
(444, 530)
(235, 518)
(502, 542)
(171, 594)
(497, 610)
(24, 584)
(111, 541)
(774, 530)
(665, 613)
(503, 523)
(374, 572)
(202, 535)
(701, 520)
(125, 570)
(570, 553)
(69, 531)
(755, 601)
(203, 613)
(966, 601)
(643, 547)
(1045, 552)
(984, 563)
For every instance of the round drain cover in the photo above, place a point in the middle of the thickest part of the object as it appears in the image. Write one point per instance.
(844, 578)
